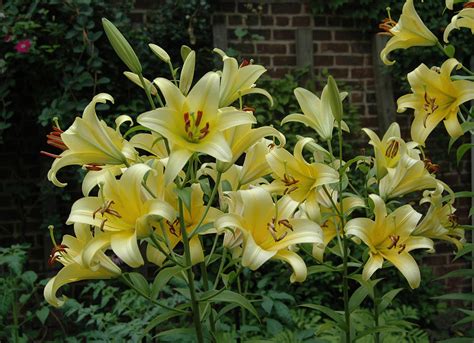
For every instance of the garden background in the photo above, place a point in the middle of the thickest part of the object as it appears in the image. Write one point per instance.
(55, 57)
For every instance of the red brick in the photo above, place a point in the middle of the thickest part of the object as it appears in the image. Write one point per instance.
(370, 98)
(271, 48)
(323, 61)
(356, 97)
(361, 73)
(263, 60)
(361, 48)
(339, 73)
(301, 21)
(286, 8)
(267, 20)
(320, 21)
(284, 34)
(264, 33)
(235, 20)
(225, 7)
(349, 60)
(278, 72)
(246, 48)
(282, 21)
(348, 35)
(284, 60)
(371, 110)
(321, 35)
(334, 47)
(252, 20)
(219, 19)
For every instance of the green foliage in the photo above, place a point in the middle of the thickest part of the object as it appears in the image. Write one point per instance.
(23, 312)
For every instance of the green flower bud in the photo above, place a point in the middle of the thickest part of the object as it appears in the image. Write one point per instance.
(335, 101)
(160, 52)
(123, 49)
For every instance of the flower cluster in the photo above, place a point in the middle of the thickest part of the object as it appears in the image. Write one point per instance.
(147, 193)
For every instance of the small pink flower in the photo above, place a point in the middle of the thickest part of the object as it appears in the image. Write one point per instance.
(23, 46)
(7, 38)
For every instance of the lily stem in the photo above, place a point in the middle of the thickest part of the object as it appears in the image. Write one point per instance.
(209, 204)
(345, 279)
(205, 280)
(376, 315)
(192, 289)
(147, 91)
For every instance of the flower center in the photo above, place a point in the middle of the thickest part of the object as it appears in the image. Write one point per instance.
(105, 208)
(392, 149)
(429, 106)
(290, 183)
(282, 225)
(192, 126)
(431, 167)
(173, 226)
(394, 243)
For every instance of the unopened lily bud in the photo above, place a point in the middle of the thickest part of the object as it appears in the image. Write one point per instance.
(122, 47)
(334, 99)
(136, 80)
(187, 73)
(185, 50)
(160, 52)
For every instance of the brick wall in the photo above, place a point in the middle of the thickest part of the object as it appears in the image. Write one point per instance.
(337, 45)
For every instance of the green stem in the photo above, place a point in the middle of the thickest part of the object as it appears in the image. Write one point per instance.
(192, 289)
(147, 91)
(15, 318)
(208, 206)
(376, 315)
(345, 280)
(221, 267)
(206, 288)
(173, 74)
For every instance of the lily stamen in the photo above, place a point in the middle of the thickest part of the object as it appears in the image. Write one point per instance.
(56, 252)
(402, 247)
(394, 240)
(92, 167)
(106, 209)
(49, 154)
(286, 224)
(392, 149)
(432, 168)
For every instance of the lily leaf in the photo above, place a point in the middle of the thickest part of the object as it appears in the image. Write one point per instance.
(163, 277)
(337, 317)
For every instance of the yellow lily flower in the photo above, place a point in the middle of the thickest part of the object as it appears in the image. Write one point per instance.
(193, 123)
(296, 177)
(449, 4)
(238, 81)
(440, 222)
(389, 149)
(317, 112)
(409, 31)
(241, 138)
(409, 175)
(269, 229)
(318, 208)
(69, 253)
(123, 212)
(170, 230)
(390, 237)
(435, 97)
(90, 142)
(465, 18)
